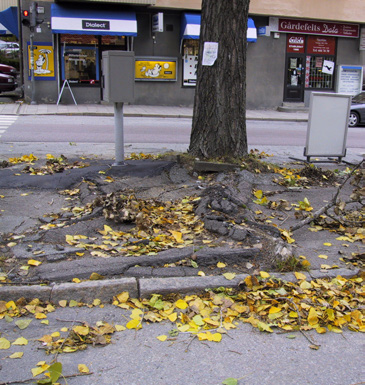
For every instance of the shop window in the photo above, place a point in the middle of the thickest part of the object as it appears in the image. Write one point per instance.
(80, 64)
(320, 70)
(80, 59)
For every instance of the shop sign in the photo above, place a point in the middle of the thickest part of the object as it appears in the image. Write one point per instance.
(96, 24)
(295, 44)
(156, 69)
(318, 28)
(321, 45)
(43, 61)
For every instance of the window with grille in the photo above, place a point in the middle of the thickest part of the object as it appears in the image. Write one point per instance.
(317, 77)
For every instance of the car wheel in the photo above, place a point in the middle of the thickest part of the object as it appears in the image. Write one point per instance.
(353, 119)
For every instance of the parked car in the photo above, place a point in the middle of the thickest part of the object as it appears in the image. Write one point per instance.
(11, 48)
(7, 83)
(357, 110)
(8, 70)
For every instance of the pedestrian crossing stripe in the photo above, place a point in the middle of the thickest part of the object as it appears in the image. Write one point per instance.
(5, 122)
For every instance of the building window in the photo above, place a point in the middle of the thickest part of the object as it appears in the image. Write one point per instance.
(80, 59)
(318, 78)
(80, 63)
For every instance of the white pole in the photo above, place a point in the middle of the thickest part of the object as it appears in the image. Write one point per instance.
(119, 135)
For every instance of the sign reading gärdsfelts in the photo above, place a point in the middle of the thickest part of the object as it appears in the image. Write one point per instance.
(154, 69)
(314, 27)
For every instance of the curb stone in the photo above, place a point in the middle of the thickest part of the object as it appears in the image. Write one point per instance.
(105, 290)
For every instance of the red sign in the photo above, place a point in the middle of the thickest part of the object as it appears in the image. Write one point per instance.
(295, 43)
(319, 28)
(321, 45)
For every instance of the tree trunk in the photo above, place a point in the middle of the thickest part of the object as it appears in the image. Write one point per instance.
(219, 120)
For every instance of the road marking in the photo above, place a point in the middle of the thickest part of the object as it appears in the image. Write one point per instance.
(5, 122)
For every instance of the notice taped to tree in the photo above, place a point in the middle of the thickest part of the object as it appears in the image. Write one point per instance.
(210, 53)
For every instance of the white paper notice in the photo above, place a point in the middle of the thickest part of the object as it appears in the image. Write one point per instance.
(210, 53)
(328, 67)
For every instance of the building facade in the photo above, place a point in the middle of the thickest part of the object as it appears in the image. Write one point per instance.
(293, 49)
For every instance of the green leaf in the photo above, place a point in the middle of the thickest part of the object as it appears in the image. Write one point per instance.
(194, 264)
(23, 323)
(55, 371)
(230, 381)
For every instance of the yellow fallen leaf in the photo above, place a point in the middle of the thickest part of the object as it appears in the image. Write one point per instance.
(4, 343)
(312, 316)
(119, 328)
(64, 329)
(83, 368)
(20, 341)
(172, 317)
(45, 322)
(221, 265)
(134, 324)
(81, 330)
(11, 244)
(33, 262)
(274, 309)
(39, 370)
(321, 330)
(323, 256)
(181, 304)
(162, 338)
(17, 355)
(63, 303)
(201, 273)
(123, 297)
(40, 316)
(55, 334)
(327, 244)
(229, 276)
(264, 274)
(299, 276)
(177, 235)
(76, 280)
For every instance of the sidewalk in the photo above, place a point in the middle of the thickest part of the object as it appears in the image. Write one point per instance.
(135, 110)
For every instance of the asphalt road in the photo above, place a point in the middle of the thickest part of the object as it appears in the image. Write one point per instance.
(98, 129)
(139, 358)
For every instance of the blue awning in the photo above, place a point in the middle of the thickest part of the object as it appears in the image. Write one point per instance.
(190, 27)
(9, 19)
(90, 21)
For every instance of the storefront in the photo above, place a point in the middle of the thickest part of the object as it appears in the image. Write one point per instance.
(311, 54)
(287, 59)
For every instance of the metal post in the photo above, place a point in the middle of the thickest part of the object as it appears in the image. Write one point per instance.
(32, 68)
(119, 135)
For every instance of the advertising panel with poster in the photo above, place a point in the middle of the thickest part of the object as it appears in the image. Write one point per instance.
(43, 61)
(156, 69)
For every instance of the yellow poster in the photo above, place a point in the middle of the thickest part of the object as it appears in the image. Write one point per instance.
(155, 69)
(43, 61)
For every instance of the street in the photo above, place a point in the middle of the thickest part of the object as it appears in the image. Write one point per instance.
(99, 129)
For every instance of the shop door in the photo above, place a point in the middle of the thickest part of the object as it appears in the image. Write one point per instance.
(294, 78)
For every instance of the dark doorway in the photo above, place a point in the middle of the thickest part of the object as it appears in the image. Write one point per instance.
(294, 78)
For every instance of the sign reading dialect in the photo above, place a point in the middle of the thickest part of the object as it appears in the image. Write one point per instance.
(156, 69)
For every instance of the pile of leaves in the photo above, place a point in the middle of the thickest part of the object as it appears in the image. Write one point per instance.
(79, 337)
(264, 302)
(158, 225)
(54, 165)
